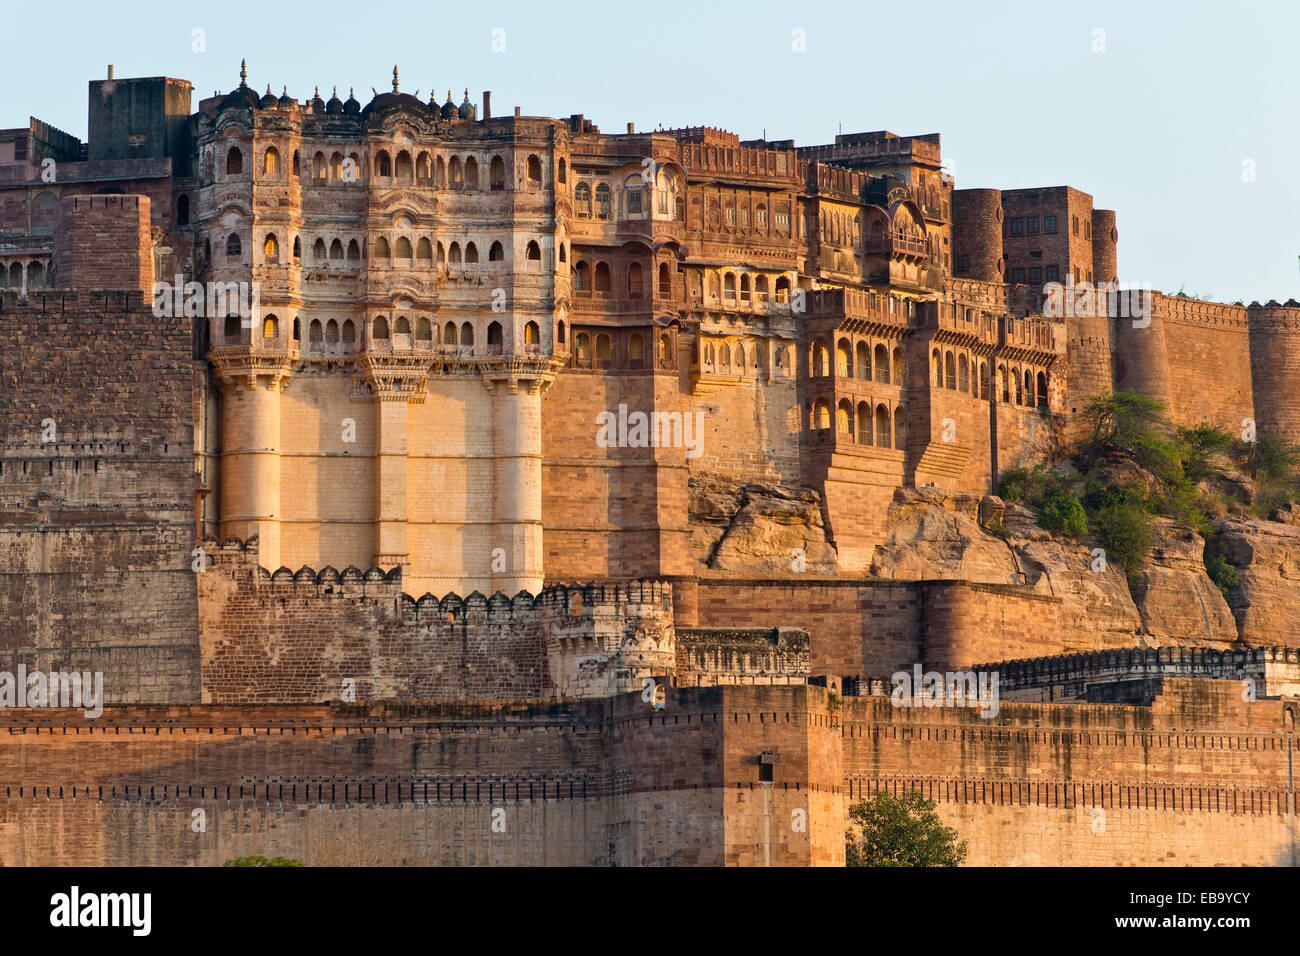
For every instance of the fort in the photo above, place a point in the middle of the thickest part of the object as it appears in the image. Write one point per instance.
(526, 419)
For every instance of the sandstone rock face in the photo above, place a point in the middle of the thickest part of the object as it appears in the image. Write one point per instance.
(1266, 603)
(759, 528)
(1178, 602)
(935, 534)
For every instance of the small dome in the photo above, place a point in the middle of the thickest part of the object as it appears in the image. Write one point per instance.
(350, 105)
(335, 105)
(466, 108)
(449, 108)
(286, 101)
(242, 97)
(269, 102)
(317, 104)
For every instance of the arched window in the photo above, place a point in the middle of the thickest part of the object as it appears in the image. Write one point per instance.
(582, 349)
(497, 173)
(984, 380)
(295, 330)
(336, 167)
(881, 363)
(183, 210)
(271, 249)
(233, 248)
(319, 172)
(1042, 388)
(471, 252)
(535, 169)
(582, 200)
(270, 327)
(820, 364)
(402, 250)
(532, 334)
(581, 278)
(297, 247)
(467, 334)
(380, 328)
(665, 280)
(354, 251)
(883, 430)
(604, 350)
(336, 250)
(1002, 395)
(332, 332)
(496, 253)
(821, 415)
(494, 335)
(404, 169)
(900, 421)
(423, 168)
(863, 368)
(636, 350)
(318, 249)
(295, 172)
(1020, 394)
(560, 333)
(936, 363)
(402, 326)
(844, 418)
(1029, 387)
(457, 177)
(963, 374)
(602, 283)
(864, 423)
(314, 337)
(424, 250)
(665, 349)
(349, 331)
(534, 252)
(634, 285)
(383, 164)
(602, 201)
(564, 253)
(453, 253)
(423, 331)
(563, 172)
(381, 249)
(449, 334)
(744, 288)
(898, 367)
(471, 173)
(729, 287)
(232, 328)
(271, 163)
(234, 162)
(843, 359)
(440, 176)
(782, 289)
(949, 371)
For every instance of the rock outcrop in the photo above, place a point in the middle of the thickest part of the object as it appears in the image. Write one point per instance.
(1266, 601)
(759, 528)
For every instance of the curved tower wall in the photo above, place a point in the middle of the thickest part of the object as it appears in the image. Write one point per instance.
(978, 214)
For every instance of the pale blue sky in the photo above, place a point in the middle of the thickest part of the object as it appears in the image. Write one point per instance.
(1157, 127)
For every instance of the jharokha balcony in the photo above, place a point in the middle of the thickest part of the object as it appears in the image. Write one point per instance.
(898, 246)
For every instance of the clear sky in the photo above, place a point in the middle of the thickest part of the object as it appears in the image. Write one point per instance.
(1181, 116)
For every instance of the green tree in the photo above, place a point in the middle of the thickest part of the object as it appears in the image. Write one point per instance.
(900, 831)
(1063, 512)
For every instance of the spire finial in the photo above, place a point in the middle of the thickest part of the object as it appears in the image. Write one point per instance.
(351, 95)
(318, 91)
(268, 89)
(394, 77)
(243, 72)
(467, 92)
(336, 91)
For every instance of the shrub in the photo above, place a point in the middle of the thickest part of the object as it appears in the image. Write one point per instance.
(1124, 530)
(1223, 574)
(262, 861)
(1063, 512)
(1029, 485)
(1199, 443)
(998, 527)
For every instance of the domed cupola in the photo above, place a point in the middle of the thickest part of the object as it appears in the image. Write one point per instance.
(317, 104)
(243, 96)
(287, 102)
(269, 102)
(351, 105)
(466, 108)
(449, 108)
(334, 105)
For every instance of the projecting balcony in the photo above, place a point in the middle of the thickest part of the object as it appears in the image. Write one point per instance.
(911, 248)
